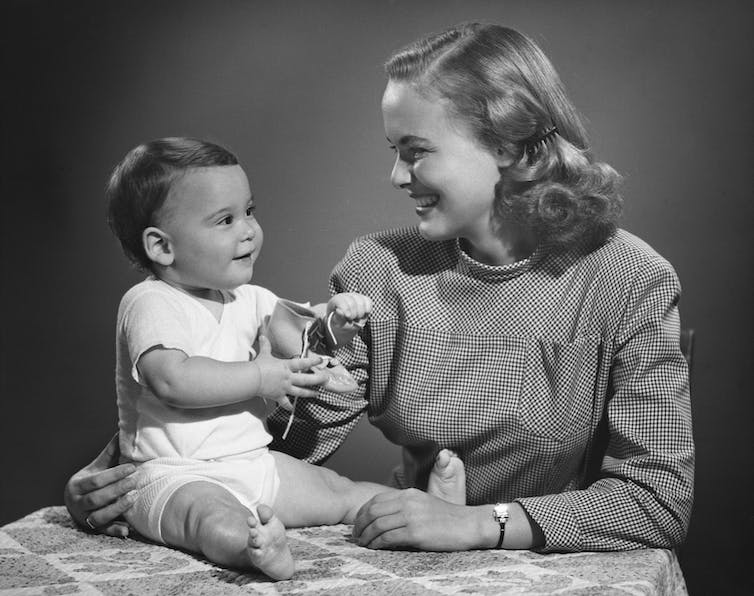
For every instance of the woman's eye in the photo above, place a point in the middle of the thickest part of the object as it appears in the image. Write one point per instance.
(410, 154)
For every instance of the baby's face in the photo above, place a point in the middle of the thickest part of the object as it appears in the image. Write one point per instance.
(215, 238)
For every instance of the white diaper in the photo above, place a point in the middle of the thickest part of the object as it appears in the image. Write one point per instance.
(251, 478)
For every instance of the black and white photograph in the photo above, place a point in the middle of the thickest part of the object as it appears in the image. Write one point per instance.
(376, 297)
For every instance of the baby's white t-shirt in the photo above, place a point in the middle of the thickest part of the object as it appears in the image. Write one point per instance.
(153, 313)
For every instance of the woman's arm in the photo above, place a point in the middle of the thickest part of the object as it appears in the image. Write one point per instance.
(101, 492)
(644, 491)
(323, 423)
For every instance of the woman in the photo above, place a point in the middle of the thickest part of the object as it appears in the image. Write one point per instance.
(515, 325)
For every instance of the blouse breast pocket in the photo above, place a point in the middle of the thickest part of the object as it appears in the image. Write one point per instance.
(557, 392)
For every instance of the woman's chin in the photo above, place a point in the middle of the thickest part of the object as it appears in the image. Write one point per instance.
(433, 233)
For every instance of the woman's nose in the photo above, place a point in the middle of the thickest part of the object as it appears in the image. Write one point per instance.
(401, 174)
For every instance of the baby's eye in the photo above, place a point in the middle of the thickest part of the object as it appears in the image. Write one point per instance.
(227, 220)
(250, 210)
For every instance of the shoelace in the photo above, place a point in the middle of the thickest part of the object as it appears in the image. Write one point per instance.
(304, 354)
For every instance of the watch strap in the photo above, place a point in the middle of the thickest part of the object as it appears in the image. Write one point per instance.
(501, 514)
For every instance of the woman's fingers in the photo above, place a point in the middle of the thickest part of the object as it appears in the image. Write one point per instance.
(385, 531)
(111, 477)
(348, 307)
(410, 518)
(103, 518)
(98, 494)
(381, 505)
(393, 539)
(102, 497)
(96, 501)
(117, 529)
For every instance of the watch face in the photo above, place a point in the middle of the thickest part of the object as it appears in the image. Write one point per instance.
(501, 512)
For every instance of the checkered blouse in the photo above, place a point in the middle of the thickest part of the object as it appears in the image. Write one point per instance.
(558, 380)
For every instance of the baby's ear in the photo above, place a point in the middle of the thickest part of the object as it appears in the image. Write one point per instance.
(157, 246)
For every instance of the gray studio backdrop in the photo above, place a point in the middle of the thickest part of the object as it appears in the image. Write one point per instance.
(294, 89)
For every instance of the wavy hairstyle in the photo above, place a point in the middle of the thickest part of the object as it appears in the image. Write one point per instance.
(500, 83)
(140, 183)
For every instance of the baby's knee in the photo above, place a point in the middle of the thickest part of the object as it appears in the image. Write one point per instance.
(203, 511)
(223, 527)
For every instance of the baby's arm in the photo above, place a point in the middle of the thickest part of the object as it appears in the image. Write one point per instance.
(199, 382)
(351, 311)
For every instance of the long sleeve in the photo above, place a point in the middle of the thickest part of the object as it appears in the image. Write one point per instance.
(321, 424)
(644, 493)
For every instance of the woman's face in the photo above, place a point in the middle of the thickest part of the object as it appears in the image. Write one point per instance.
(450, 176)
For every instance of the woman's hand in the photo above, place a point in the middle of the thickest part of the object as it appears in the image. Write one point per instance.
(350, 312)
(97, 494)
(414, 519)
(350, 307)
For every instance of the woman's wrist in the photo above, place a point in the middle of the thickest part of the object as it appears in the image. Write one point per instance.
(521, 532)
(487, 528)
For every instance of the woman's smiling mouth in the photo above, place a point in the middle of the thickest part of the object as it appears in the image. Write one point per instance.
(425, 202)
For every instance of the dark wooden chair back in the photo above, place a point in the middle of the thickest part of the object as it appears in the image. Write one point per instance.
(687, 345)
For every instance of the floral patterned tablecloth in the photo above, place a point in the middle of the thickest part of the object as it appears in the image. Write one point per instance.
(44, 553)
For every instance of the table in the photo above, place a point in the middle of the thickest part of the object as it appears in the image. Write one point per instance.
(44, 553)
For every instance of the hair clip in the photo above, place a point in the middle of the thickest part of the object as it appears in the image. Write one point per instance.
(538, 142)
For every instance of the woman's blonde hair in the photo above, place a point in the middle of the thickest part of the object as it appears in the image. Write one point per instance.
(503, 86)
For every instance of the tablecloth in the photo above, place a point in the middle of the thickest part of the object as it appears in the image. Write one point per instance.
(44, 553)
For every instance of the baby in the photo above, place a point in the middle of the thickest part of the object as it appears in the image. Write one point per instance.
(191, 385)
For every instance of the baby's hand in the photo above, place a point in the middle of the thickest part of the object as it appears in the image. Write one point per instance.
(280, 379)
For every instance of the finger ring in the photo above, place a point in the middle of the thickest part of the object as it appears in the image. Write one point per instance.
(89, 523)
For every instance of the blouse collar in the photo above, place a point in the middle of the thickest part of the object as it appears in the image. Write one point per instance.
(494, 273)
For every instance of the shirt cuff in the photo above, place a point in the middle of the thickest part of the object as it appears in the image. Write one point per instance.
(554, 516)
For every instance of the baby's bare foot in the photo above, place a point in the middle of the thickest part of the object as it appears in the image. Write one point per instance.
(447, 479)
(267, 545)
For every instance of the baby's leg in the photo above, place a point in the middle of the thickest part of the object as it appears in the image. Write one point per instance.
(204, 517)
(312, 495)
(447, 479)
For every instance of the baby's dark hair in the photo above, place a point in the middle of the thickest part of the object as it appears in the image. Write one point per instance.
(140, 183)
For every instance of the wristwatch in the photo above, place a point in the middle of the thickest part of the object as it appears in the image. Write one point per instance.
(500, 513)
